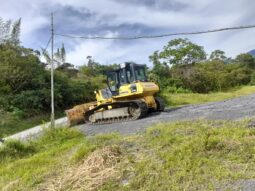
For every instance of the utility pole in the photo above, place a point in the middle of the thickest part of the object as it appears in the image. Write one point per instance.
(52, 75)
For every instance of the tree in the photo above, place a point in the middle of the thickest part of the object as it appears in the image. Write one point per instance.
(18, 66)
(59, 56)
(218, 55)
(160, 71)
(91, 62)
(10, 33)
(15, 33)
(246, 60)
(182, 51)
(68, 69)
(25, 83)
(63, 53)
(5, 27)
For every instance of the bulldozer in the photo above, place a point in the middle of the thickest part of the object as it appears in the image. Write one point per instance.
(128, 96)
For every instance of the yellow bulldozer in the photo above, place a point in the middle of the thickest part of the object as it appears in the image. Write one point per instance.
(129, 96)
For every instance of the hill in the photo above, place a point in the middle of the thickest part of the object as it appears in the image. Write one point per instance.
(199, 155)
(252, 52)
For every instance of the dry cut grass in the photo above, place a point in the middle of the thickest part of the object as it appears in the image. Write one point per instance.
(93, 172)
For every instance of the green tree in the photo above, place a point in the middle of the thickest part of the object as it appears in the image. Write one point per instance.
(160, 71)
(59, 57)
(218, 55)
(10, 33)
(15, 33)
(68, 69)
(182, 51)
(5, 28)
(17, 67)
(63, 54)
(245, 60)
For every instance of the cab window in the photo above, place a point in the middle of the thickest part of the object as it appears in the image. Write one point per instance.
(130, 77)
(140, 74)
(122, 77)
(113, 81)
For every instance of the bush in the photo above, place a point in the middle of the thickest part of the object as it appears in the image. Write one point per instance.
(211, 76)
(173, 89)
(252, 79)
(18, 114)
(13, 149)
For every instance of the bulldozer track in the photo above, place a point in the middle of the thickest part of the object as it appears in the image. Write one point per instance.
(140, 104)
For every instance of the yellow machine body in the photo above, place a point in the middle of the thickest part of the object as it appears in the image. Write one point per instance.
(128, 100)
(144, 91)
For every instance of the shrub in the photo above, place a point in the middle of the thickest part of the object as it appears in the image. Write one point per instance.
(252, 79)
(211, 76)
(13, 149)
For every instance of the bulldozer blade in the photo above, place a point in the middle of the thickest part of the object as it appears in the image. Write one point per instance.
(75, 115)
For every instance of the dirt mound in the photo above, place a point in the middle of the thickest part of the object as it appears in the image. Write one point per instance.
(92, 173)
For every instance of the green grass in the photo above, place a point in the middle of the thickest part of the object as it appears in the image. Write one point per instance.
(197, 155)
(23, 166)
(11, 124)
(178, 99)
(34, 160)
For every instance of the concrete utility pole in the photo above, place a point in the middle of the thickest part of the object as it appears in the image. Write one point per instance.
(52, 75)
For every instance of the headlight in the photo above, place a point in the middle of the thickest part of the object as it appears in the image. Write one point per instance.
(133, 88)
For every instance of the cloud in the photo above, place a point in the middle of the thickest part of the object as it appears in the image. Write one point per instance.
(128, 18)
(32, 20)
(102, 51)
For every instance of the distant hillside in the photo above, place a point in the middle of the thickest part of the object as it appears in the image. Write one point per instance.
(252, 52)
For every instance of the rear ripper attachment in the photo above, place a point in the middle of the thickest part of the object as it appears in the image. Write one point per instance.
(116, 112)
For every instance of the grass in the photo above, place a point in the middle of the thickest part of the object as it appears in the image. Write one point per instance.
(24, 166)
(34, 160)
(192, 155)
(11, 124)
(178, 99)
(195, 156)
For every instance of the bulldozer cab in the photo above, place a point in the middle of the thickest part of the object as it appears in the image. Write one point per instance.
(128, 73)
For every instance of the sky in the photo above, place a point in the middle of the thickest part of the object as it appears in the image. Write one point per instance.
(112, 18)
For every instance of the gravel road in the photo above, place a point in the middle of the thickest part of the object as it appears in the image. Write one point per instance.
(231, 109)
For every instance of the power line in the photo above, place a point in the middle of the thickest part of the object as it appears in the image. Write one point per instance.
(47, 45)
(157, 36)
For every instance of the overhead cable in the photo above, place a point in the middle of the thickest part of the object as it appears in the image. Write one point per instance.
(156, 36)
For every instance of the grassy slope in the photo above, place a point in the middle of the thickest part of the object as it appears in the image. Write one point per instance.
(10, 124)
(195, 98)
(199, 155)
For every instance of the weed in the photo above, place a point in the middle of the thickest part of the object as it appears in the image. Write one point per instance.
(83, 150)
(13, 149)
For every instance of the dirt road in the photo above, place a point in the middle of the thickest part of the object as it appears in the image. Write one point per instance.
(231, 109)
